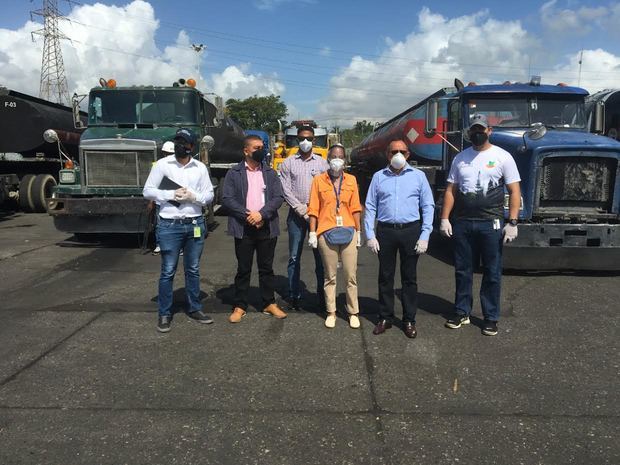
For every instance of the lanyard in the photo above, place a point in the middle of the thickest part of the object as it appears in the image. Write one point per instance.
(338, 192)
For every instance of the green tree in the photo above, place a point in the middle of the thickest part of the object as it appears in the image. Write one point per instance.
(258, 112)
(354, 136)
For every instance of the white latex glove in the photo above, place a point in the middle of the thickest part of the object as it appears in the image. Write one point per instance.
(185, 196)
(359, 238)
(301, 210)
(421, 247)
(373, 244)
(312, 240)
(510, 233)
(445, 228)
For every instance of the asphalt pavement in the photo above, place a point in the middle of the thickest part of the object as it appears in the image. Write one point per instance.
(86, 379)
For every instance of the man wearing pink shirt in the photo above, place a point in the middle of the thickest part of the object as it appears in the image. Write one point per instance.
(251, 195)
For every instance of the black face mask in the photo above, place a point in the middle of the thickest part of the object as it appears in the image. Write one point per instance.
(478, 139)
(259, 155)
(180, 151)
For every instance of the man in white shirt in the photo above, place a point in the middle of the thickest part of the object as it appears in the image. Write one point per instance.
(182, 187)
(475, 191)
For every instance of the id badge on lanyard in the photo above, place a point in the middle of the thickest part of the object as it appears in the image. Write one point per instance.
(339, 221)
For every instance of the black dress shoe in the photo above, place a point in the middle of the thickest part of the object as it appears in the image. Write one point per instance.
(163, 323)
(293, 304)
(200, 317)
(381, 327)
(410, 330)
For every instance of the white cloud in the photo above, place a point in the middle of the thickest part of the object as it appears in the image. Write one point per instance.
(118, 42)
(273, 4)
(235, 81)
(472, 47)
(577, 22)
(325, 51)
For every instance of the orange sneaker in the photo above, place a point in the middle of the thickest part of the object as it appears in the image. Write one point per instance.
(236, 315)
(274, 310)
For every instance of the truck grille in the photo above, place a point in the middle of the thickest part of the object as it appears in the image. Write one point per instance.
(578, 182)
(116, 168)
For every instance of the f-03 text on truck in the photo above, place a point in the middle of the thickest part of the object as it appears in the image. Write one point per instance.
(570, 186)
(127, 127)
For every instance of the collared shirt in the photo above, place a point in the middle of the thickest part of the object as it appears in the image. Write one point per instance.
(323, 202)
(398, 198)
(296, 175)
(255, 199)
(194, 176)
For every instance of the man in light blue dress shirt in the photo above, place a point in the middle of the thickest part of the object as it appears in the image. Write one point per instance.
(395, 198)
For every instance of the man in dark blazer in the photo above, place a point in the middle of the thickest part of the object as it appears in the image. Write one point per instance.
(252, 194)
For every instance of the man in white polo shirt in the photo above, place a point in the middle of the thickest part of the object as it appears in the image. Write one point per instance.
(182, 187)
(475, 198)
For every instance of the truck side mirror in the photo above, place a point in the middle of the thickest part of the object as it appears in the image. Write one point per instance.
(206, 144)
(432, 108)
(599, 118)
(75, 107)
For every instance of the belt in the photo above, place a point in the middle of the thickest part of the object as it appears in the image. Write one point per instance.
(397, 225)
(190, 220)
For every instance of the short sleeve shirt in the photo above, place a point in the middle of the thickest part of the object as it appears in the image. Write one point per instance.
(480, 178)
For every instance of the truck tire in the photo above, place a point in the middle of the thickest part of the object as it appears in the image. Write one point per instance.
(42, 189)
(25, 193)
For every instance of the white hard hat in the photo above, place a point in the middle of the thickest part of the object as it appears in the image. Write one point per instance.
(168, 147)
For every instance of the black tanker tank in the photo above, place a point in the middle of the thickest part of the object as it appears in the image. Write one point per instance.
(24, 119)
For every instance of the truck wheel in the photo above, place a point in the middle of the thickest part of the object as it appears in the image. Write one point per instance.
(42, 189)
(25, 193)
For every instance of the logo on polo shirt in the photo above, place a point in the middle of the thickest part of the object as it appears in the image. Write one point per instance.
(491, 164)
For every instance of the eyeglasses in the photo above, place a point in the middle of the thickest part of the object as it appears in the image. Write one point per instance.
(394, 152)
(306, 138)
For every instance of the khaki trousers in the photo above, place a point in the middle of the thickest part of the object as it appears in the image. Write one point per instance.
(347, 254)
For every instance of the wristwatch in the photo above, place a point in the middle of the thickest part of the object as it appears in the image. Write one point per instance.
(513, 221)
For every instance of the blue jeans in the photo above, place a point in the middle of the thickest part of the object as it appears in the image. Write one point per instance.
(174, 236)
(297, 231)
(473, 239)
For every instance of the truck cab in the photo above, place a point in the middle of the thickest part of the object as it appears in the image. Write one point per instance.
(570, 213)
(127, 127)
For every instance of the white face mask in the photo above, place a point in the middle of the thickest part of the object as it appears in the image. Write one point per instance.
(305, 146)
(336, 165)
(398, 161)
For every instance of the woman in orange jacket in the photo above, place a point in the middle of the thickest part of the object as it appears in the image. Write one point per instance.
(335, 212)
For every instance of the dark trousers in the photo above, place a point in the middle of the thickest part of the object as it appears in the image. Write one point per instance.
(393, 242)
(255, 240)
(473, 239)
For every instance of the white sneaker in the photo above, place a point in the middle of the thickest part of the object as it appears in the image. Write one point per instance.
(330, 321)
(156, 250)
(354, 321)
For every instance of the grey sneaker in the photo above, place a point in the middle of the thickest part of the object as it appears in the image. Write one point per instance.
(163, 323)
(489, 328)
(456, 321)
(200, 317)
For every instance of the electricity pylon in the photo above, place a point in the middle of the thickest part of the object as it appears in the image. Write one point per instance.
(53, 84)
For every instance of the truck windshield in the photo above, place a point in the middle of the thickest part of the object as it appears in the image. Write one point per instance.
(319, 141)
(161, 107)
(523, 112)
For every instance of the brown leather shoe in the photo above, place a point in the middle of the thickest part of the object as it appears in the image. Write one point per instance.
(274, 310)
(410, 330)
(382, 327)
(236, 315)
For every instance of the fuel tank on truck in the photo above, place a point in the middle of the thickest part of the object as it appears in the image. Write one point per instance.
(408, 126)
(24, 119)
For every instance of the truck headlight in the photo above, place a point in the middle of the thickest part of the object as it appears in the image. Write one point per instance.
(66, 177)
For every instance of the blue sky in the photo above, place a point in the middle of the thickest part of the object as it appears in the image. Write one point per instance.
(305, 49)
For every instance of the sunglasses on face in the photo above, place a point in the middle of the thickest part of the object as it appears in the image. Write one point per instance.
(394, 152)
(310, 139)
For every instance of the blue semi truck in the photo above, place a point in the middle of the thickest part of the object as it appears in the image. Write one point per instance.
(570, 213)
